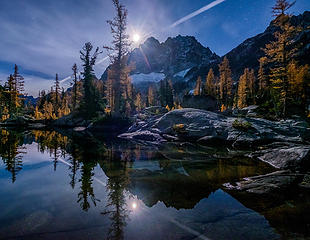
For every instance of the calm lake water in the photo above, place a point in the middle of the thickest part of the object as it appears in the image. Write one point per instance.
(59, 187)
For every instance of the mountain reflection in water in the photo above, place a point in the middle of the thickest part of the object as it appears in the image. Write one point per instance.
(55, 186)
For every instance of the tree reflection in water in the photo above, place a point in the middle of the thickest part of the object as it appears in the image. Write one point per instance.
(178, 176)
(11, 151)
(87, 190)
(116, 167)
(52, 142)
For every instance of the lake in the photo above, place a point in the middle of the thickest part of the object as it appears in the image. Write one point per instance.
(71, 186)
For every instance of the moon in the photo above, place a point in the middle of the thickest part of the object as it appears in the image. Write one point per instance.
(136, 38)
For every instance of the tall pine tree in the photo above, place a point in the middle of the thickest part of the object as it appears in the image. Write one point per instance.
(209, 88)
(198, 87)
(279, 54)
(118, 75)
(226, 83)
(92, 101)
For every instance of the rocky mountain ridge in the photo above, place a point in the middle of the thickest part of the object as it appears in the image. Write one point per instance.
(183, 58)
(169, 57)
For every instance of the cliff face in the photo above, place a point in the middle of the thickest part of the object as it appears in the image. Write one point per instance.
(170, 57)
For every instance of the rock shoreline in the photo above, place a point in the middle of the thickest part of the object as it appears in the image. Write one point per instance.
(205, 127)
(283, 144)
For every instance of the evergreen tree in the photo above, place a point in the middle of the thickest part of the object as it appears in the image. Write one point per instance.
(209, 88)
(198, 87)
(279, 54)
(262, 76)
(151, 97)
(138, 102)
(162, 93)
(57, 92)
(299, 83)
(18, 81)
(75, 86)
(12, 95)
(92, 101)
(169, 92)
(109, 91)
(166, 93)
(242, 90)
(246, 89)
(13, 91)
(118, 76)
(252, 87)
(226, 82)
(281, 7)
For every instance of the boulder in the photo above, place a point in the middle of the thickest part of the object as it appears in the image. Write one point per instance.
(285, 156)
(197, 123)
(79, 129)
(143, 136)
(203, 126)
(70, 121)
(268, 183)
(249, 111)
(19, 121)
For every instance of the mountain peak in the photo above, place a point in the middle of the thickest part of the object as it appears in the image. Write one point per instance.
(174, 55)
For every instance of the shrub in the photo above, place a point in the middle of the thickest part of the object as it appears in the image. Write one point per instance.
(179, 128)
(241, 125)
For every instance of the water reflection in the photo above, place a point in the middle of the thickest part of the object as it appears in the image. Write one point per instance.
(11, 152)
(137, 181)
(116, 207)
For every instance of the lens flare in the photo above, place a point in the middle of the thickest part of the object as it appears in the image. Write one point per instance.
(136, 37)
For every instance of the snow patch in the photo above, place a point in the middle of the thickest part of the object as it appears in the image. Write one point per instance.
(191, 92)
(151, 77)
(182, 73)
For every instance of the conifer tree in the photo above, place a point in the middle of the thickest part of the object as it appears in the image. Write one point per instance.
(118, 76)
(169, 93)
(57, 92)
(151, 96)
(209, 88)
(18, 81)
(138, 102)
(243, 89)
(252, 87)
(11, 94)
(166, 93)
(225, 87)
(13, 90)
(281, 7)
(279, 54)
(92, 101)
(299, 82)
(109, 90)
(162, 93)
(198, 87)
(75, 86)
(262, 76)
(246, 88)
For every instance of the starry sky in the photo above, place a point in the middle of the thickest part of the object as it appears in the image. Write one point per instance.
(44, 37)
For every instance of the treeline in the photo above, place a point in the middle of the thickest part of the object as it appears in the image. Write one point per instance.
(11, 95)
(281, 86)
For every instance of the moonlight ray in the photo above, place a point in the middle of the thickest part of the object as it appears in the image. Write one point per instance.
(197, 12)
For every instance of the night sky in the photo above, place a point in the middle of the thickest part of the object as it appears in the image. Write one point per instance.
(44, 37)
